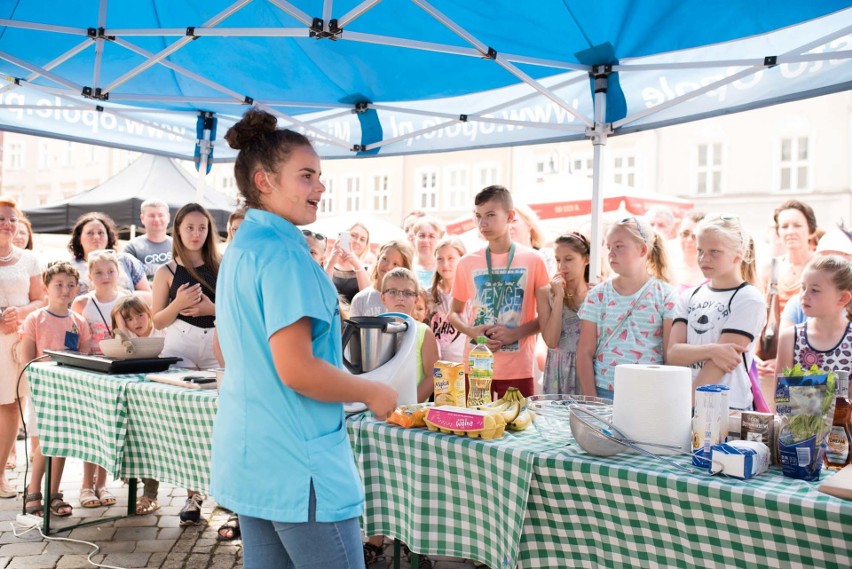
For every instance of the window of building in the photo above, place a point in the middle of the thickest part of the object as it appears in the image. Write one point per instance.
(381, 193)
(624, 170)
(488, 175)
(709, 169)
(457, 187)
(326, 205)
(582, 165)
(66, 154)
(794, 165)
(426, 189)
(15, 156)
(43, 156)
(546, 166)
(352, 193)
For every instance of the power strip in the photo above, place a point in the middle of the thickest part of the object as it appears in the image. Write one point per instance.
(28, 520)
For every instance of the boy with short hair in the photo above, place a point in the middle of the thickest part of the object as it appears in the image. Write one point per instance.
(53, 327)
(500, 282)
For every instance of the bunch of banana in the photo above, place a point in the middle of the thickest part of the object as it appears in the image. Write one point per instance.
(513, 408)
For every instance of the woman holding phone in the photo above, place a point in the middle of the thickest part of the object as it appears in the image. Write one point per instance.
(346, 266)
(281, 456)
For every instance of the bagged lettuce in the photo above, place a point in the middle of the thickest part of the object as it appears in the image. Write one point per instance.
(804, 399)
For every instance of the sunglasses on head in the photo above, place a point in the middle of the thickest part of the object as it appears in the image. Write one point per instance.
(102, 253)
(317, 236)
(638, 225)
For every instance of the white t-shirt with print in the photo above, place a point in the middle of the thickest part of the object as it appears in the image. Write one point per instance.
(708, 313)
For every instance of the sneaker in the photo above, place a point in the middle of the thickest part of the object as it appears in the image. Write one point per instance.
(190, 514)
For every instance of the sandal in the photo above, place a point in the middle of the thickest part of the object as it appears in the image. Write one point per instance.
(230, 530)
(7, 490)
(373, 553)
(58, 506)
(88, 499)
(38, 509)
(105, 496)
(145, 506)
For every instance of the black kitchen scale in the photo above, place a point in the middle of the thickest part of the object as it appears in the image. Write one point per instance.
(103, 364)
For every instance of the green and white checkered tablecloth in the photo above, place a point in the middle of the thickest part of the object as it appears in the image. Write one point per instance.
(583, 511)
(169, 434)
(80, 414)
(443, 494)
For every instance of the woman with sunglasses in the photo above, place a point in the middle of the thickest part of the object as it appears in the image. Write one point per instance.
(685, 271)
(95, 231)
(558, 303)
(347, 267)
(317, 244)
(281, 457)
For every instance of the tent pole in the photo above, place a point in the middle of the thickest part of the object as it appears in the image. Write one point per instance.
(598, 136)
(201, 183)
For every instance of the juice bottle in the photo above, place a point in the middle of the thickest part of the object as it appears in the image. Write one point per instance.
(480, 372)
(838, 444)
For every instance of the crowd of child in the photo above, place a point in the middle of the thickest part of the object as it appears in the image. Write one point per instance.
(711, 319)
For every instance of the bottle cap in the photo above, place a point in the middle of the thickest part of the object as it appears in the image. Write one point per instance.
(482, 339)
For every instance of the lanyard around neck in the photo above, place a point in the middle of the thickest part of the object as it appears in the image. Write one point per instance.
(508, 262)
(497, 283)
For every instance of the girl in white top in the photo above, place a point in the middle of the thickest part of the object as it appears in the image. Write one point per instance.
(450, 341)
(716, 324)
(393, 254)
(96, 306)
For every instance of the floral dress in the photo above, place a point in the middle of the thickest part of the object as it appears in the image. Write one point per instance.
(839, 357)
(560, 369)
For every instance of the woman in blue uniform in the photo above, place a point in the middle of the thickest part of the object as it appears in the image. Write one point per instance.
(281, 455)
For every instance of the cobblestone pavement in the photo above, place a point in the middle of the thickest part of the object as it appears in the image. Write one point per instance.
(153, 541)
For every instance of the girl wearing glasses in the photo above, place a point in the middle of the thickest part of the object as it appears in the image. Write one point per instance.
(558, 303)
(627, 319)
(281, 457)
(716, 324)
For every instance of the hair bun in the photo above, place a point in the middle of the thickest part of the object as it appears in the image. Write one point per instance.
(254, 124)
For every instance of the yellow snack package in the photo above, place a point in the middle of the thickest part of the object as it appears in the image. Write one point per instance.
(449, 383)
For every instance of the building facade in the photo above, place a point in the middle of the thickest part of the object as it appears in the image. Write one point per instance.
(745, 164)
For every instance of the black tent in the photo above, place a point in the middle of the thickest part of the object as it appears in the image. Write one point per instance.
(120, 197)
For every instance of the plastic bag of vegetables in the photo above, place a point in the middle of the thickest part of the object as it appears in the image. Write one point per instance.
(804, 398)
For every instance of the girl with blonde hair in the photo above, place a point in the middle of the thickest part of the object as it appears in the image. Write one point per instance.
(716, 324)
(393, 254)
(448, 252)
(627, 319)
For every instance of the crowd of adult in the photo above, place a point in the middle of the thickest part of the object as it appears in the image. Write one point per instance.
(279, 293)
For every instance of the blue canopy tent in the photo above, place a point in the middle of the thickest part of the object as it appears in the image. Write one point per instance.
(384, 77)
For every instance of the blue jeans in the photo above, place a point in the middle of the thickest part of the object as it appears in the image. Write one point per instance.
(605, 393)
(309, 545)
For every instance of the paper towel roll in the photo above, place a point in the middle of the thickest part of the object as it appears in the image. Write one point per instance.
(653, 404)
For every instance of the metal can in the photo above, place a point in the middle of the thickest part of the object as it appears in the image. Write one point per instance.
(709, 421)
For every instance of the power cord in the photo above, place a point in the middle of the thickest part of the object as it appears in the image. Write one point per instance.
(24, 427)
(29, 521)
(36, 525)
